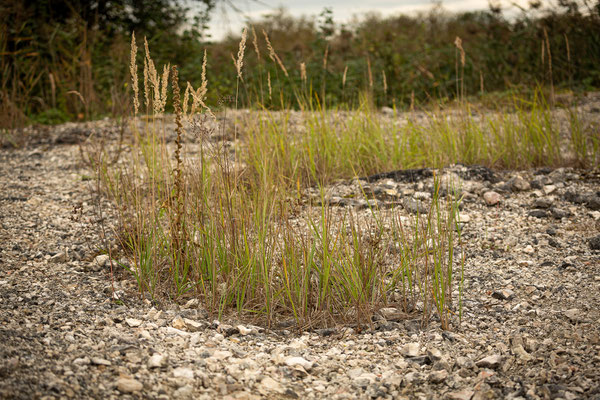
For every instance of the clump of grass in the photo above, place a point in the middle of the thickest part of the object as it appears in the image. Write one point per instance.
(232, 236)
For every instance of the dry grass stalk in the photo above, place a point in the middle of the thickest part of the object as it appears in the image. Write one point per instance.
(273, 55)
(384, 81)
(543, 51)
(197, 95)
(269, 83)
(134, 75)
(255, 43)
(179, 192)
(568, 48)
(325, 56)
(549, 65)
(239, 63)
(344, 76)
(146, 85)
(303, 72)
(163, 90)
(204, 82)
(458, 44)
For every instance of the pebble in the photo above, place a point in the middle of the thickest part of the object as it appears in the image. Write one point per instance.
(519, 184)
(179, 323)
(157, 361)
(183, 372)
(438, 376)
(293, 361)
(128, 385)
(492, 198)
(134, 323)
(269, 384)
(410, 350)
(504, 294)
(244, 330)
(102, 260)
(493, 361)
(594, 242)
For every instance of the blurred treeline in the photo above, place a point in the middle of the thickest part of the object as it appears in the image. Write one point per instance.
(51, 55)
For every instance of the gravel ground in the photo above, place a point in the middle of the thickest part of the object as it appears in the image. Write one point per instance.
(531, 326)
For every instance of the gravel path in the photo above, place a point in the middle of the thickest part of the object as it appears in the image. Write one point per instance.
(532, 310)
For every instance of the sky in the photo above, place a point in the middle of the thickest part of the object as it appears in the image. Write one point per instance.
(225, 19)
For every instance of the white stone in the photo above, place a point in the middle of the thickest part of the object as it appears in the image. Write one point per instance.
(183, 372)
(410, 350)
(293, 361)
(192, 326)
(156, 361)
(132, 322)
(243, 330)
(548, 189)
(492, 361)
(128, 385)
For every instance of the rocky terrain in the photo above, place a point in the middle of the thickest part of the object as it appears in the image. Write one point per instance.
(530, 330)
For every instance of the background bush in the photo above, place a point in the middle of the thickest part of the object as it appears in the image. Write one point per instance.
(53, 51)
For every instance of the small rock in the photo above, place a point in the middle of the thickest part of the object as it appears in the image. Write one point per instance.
(573, 314)
(183, 372)
(493, 361)
(59, 257)
(192, 326)
(102, 260)
(128, 385)
(543, 203)
(594, 242)
(391, 313)
(193, 303)
(491, 198)
(538, 213)
(184, 392)
(156, 361)
(517, 183)
(504, 294)
(434, 354)
(520, 352)
(410, 350)
(464, 394)
(293, 361)
(179, 323)
(548, 189)
(132, 322)
(438, 376)
(100, 361)
(529, 249)
(269, 384)
(82, 361)
(243, 330)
